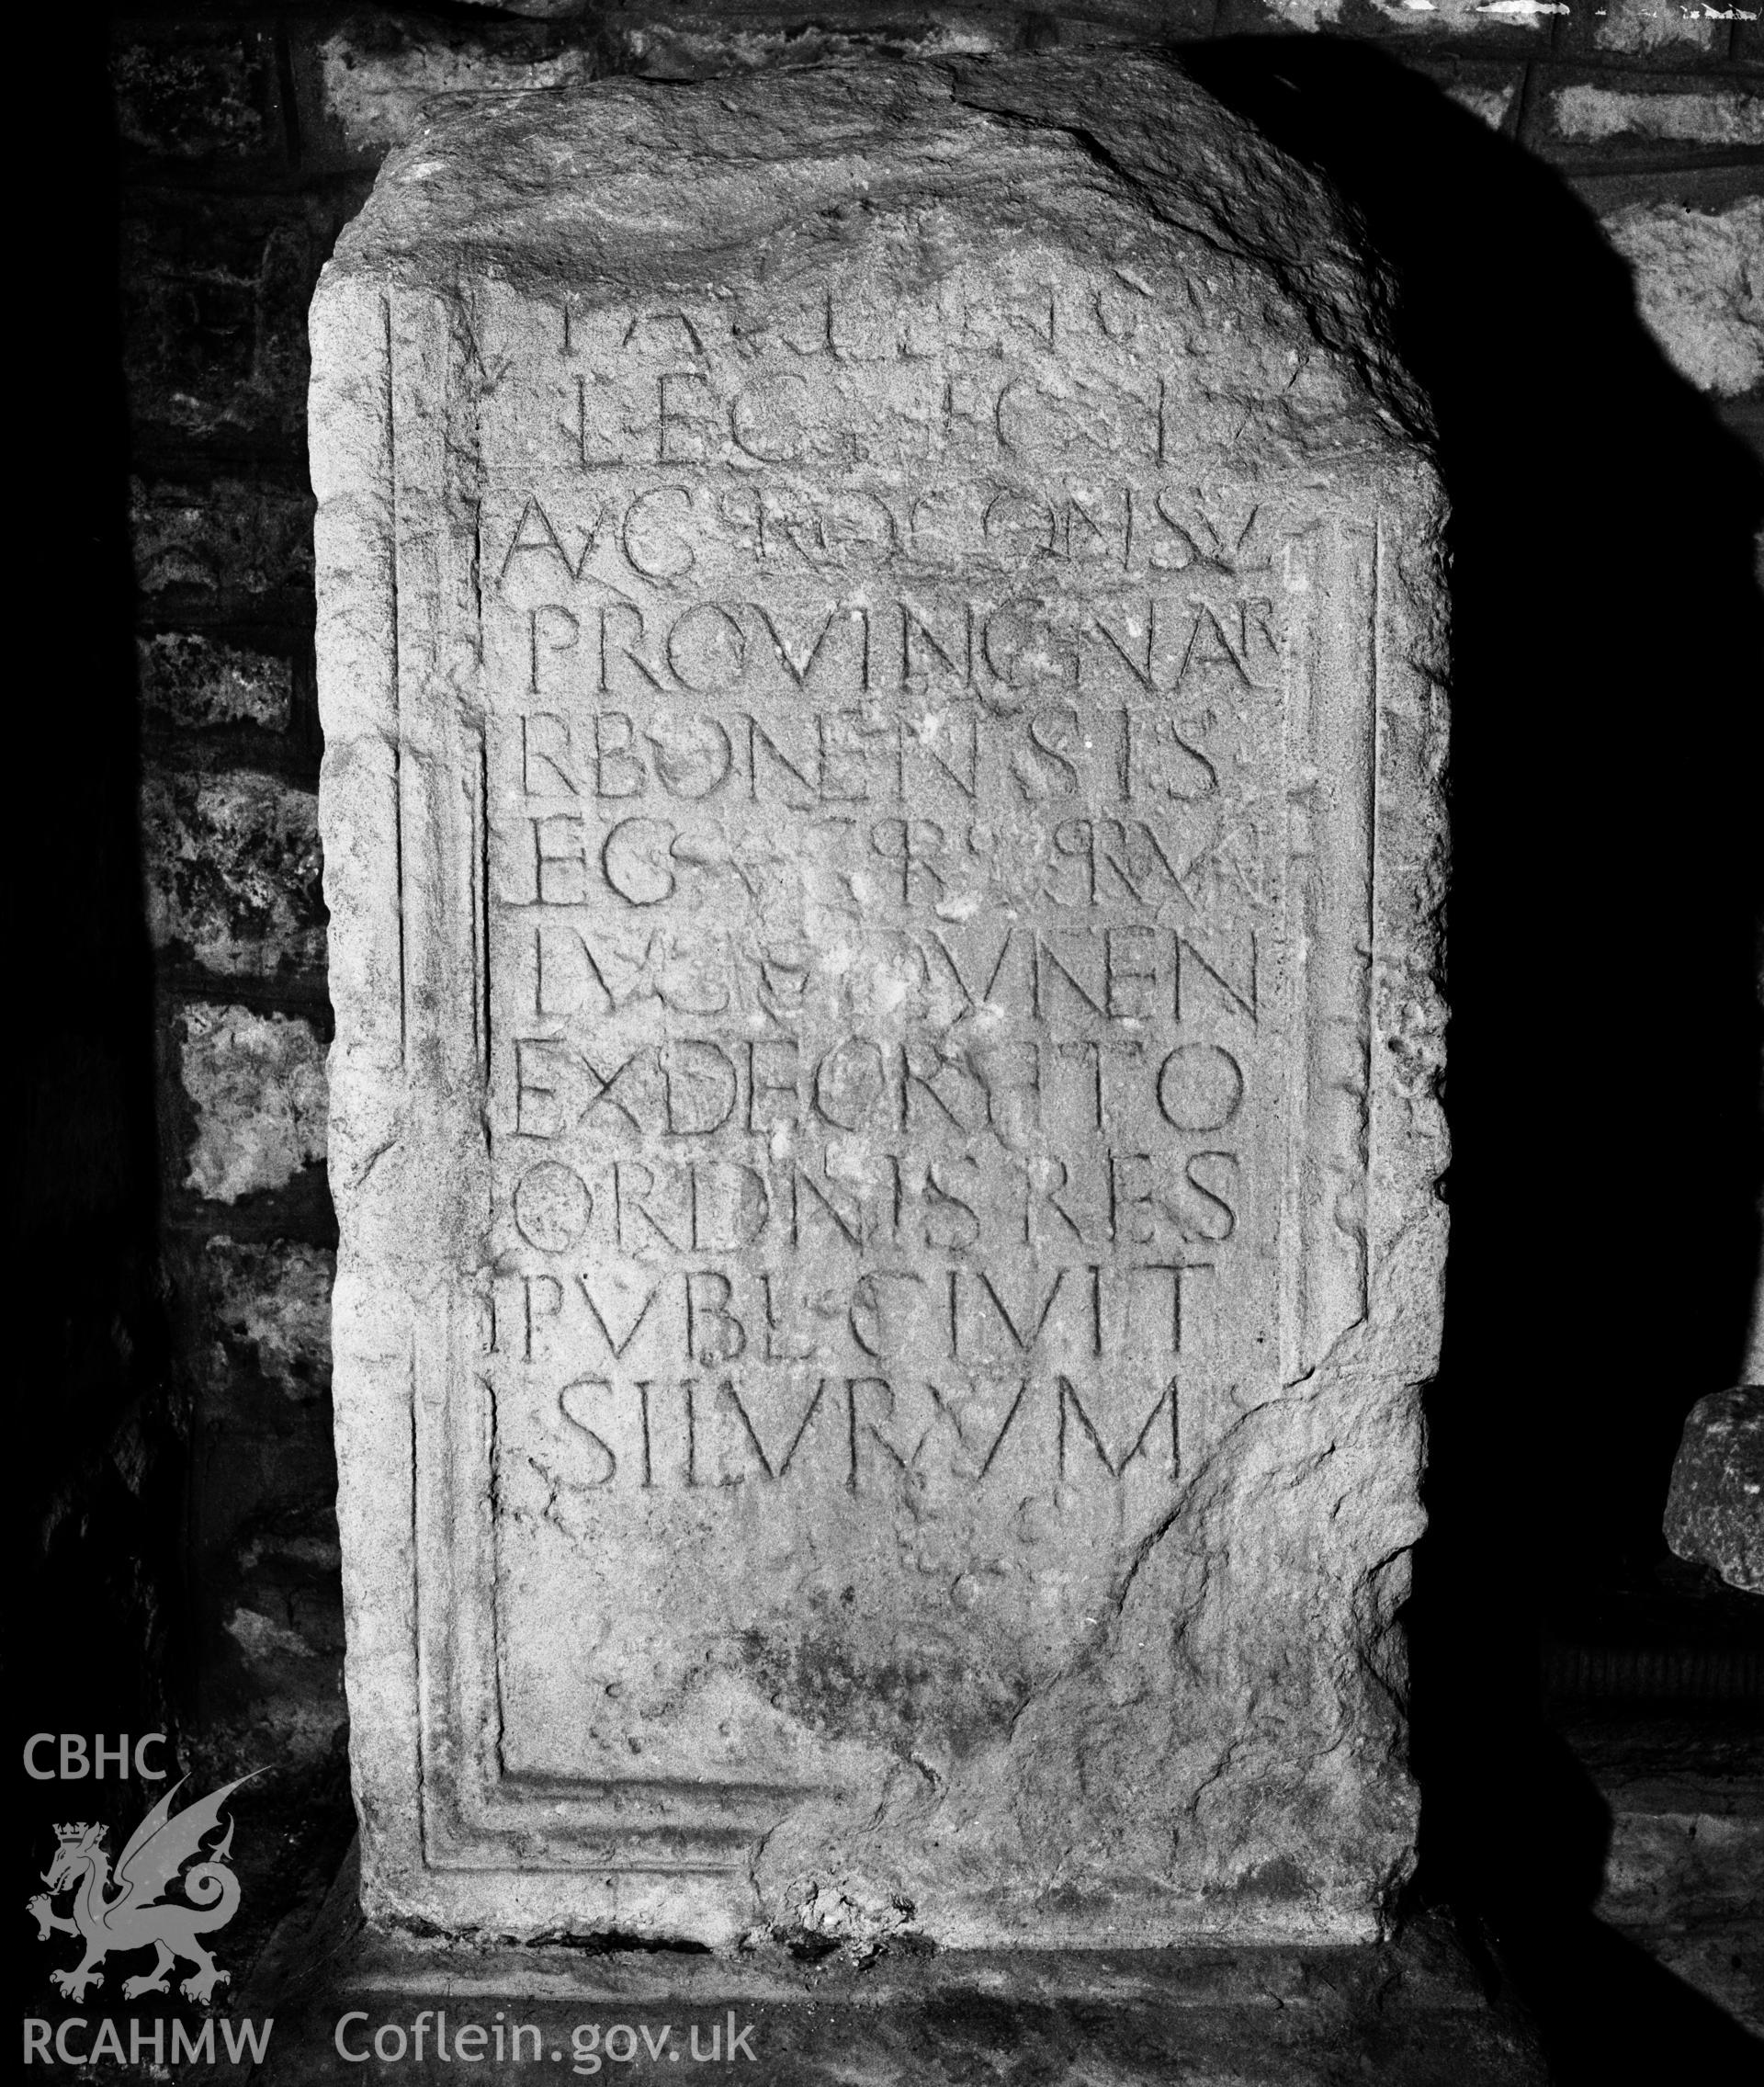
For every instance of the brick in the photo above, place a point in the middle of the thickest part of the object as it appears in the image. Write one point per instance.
(1491, 104)
(262, 1638)
(271, 1301)
(256, 1084)
(1674, 112)
(363, 85)
(1521, 24)
(274, 1599)
(233, 869)
(1458, 18)
(659, 42)
(192, 681)
(1489, 92)
(196, 92)
(671, 43)
(1700, 288)
(536, 10)
(307, 1604)
(271, 1480)
(1655, 29)
(292, 1686)
(214, 298)
(231, 541)
(264, 1534)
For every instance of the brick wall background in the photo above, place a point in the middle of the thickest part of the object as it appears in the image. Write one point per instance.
(246, 136)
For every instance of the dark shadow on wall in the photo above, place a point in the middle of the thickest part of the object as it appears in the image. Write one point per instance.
(94, 1447)
(1608, 850)
(116, 1469)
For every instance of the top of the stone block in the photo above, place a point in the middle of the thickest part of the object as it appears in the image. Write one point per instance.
(752, 190)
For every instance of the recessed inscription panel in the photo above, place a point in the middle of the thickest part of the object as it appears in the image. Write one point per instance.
(885, 780)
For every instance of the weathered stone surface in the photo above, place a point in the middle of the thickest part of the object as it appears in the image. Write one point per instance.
(1716, 1509)
(1700, 288)
(877, 641)
(256, 1083)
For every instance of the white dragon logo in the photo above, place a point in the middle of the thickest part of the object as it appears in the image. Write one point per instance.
(138, 1917)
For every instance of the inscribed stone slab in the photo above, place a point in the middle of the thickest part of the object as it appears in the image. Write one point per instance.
(878, 645)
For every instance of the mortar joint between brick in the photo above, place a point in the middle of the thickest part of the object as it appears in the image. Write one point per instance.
(304, 993)
(288, 97)
(1524, 120)
(276, 1214)
(274, 753)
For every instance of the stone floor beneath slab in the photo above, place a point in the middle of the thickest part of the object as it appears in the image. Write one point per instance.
(1416, 2012)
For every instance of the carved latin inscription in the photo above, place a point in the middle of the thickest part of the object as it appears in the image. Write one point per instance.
(886, 848)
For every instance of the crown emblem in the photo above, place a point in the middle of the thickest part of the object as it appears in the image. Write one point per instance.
(78, 1831)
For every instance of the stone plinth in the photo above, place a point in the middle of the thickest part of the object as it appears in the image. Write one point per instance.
(877, 637)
